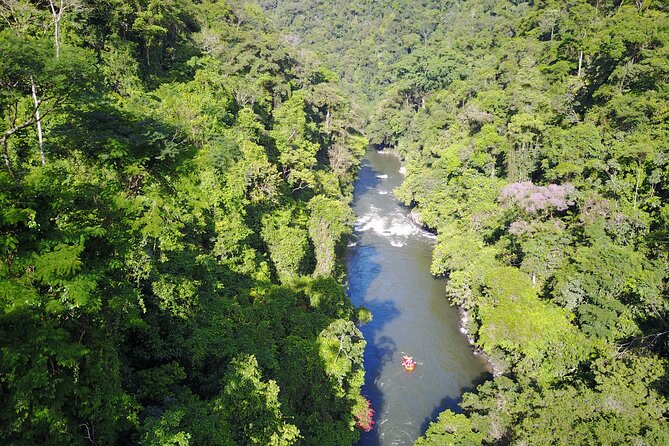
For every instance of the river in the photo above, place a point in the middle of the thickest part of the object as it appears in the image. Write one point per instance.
(389, 273)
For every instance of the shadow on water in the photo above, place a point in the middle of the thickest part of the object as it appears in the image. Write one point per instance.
(362, 272)
(451, 403)
(377, 356)
(366, 182)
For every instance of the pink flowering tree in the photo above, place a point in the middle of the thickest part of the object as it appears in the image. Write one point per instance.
(364, 414)
(538, 199)
(540, 241)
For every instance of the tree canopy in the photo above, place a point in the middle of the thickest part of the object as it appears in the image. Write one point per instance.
(168, 272)
(534, 137)
(175, 197)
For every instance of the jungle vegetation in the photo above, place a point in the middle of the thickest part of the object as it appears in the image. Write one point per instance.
(174, 193)
(174, 198)
(535, 136)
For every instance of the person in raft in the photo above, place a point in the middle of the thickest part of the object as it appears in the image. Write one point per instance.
(408, 362)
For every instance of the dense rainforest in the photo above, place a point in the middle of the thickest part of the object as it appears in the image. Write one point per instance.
(174, 201)
(174, 194)
(535, 136)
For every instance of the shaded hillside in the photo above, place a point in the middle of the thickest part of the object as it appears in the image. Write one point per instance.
(173, 193)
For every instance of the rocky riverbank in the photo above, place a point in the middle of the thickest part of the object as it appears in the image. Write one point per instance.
(495, 366)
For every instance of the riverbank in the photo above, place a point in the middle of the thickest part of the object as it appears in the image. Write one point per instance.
(493, 366)
(389, 274)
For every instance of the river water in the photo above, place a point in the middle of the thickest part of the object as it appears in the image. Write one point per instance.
(389, 273)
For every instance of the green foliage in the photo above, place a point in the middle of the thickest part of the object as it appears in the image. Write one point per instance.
(253, 407)
(514, 319)
(164, 162)
(138, 220)
(329, 220)
(297, 154)
(287, 244)
(565, 104)
(452, 429)
(553, 102)
(162, 430)
(341, 347)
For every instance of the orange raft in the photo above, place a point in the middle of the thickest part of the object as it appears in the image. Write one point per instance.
(408, 363)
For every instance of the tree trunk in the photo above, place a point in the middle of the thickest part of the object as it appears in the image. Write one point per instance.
(56, 16)
(580, 62)
(638, 181)
(56, 33)
(38, 120)
(5, 156)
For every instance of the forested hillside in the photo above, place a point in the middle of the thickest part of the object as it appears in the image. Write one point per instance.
(173, 196)
(535, 136)
(361, 40)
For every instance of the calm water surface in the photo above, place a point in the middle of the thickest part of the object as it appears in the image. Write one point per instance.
(389, 273)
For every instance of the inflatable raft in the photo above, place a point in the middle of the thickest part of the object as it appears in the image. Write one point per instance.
(408, 363)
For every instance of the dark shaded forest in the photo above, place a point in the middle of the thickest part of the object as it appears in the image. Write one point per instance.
(173, 198)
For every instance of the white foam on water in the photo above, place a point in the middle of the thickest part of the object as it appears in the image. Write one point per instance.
(382, 177)
(394, 225)
(352, 244)
(383, 192)
(401, 226)
(428, 235)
